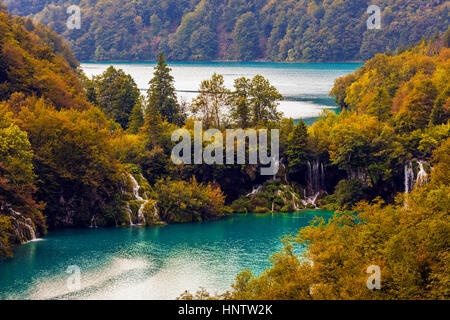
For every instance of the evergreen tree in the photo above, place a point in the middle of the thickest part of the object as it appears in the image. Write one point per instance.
(296, 146)
(136, 119)
(161, 94)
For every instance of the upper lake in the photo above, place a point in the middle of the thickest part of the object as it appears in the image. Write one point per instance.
(305, 86)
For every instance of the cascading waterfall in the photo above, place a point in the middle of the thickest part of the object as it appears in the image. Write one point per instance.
(26, 223)
(315, 180)
(130, 214)
(409, 177)
(410, 182)
(422, 176)
(141, 217)
(30, 229)
(93, 222)
(136, 187)
(255, 190)
(421, 179)
(276, 167)
(155, 212)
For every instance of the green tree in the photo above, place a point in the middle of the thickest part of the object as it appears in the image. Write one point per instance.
(116, 94)
(161, 95)
(240, 111)
(136, 120)
(296, 151)
(264, 101)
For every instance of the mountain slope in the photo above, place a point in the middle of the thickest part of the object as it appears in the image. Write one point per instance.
(278, 30)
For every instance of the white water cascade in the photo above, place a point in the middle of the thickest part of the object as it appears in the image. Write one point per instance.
(409, 177)
(276, 167)
(422, 176)
(410, 181)
(136, 187)
(93, 222)
(26, 223)
(315, 182)
(255, 190)
(141, 217)
(130, 214)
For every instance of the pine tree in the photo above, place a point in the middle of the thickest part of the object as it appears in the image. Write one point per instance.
(136, 119)
(161, 94)
(296, 145)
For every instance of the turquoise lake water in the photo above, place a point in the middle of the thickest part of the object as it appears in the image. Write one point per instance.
(305, 86)
(148, 263)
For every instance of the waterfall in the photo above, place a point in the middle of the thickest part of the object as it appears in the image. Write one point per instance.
(93, 222)
(141, 217)
(294, 201)
(422, 176)
(130, 214)
(322, 177)
(276, 168)
(135, 188)
(155, 212)
(255, 190)
(421, 179)
(315, 182)
(26, 223)
(409, 177)
(30, 229)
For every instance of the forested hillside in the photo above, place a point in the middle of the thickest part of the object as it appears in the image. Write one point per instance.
(278, 30)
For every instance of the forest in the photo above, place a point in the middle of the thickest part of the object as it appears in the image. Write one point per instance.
(80, 152)
(244, 30)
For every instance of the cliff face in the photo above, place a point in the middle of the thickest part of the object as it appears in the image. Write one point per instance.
(280, 30)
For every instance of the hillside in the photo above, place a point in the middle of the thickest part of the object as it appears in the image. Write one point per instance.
(277, 30)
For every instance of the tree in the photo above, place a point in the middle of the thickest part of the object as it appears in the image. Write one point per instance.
(264, 101)
(246, 37)
(210, 104)
(240, 112)
(116, 94)
(136, 120)
(380, 106)
(296, 146)
(161, 94)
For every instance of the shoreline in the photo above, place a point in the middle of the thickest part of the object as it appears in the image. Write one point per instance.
(219, 61)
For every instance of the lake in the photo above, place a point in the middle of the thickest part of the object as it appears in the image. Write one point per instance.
(305, 86)
(148, 263)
